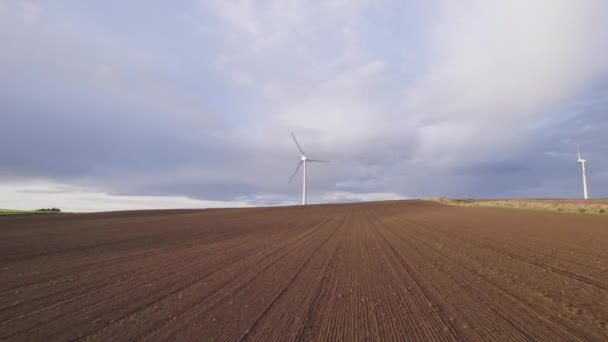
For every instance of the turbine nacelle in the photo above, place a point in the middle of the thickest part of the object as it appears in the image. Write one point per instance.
(580, 159)
(303, 161)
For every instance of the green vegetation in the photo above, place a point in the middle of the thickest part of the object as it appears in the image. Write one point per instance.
(55, 210)
(39, 211)
(13, 211)
(597, 207)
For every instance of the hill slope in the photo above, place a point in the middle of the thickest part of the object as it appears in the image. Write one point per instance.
(403, 270)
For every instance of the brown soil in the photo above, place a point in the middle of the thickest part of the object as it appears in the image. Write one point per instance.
(393, 271)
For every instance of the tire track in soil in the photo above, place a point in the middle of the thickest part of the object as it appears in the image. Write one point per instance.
(254, 327)
(598, 314)
(101, 301)
(177, 293)
(316, 311)
(209, 329)
(448, 330)
(591, 316)
(73, 296)
(403, 270)
(474, 297)
(502, 224)
(557, 270)
(99, 265)
(516, 248)
(436, 287)
(167, 321)
(550, 327)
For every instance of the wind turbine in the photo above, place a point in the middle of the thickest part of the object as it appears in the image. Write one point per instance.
(583, 162)
(303, 161)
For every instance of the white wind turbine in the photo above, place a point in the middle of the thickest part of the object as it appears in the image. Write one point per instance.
(583, 162)
(304, 160)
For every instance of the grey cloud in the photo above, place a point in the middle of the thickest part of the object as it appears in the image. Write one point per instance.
(490, 106)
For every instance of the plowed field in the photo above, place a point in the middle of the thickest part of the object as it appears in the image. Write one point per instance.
(394, 271)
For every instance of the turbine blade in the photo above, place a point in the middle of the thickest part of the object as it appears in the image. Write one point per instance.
(298, 145)
(318, 161)
(296, 171)
(579, 152)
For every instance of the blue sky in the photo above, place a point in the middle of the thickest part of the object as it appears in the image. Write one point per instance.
(119, 105)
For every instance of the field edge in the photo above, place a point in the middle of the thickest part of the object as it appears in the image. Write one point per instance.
(553, 205)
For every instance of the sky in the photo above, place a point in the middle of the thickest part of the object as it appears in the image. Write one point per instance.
(108, 105)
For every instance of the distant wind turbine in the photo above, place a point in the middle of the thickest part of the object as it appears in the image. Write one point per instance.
(303, 161)
(583, 162)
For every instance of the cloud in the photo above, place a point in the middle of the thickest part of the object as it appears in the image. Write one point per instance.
(38, 194)
(409, 99)
(482, 75)
(31, 12)
(341, 196)
(499, 67)
(85, 108)
(44, 194)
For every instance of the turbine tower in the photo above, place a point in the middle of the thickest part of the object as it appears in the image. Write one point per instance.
(583, 162)
(303, 161)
